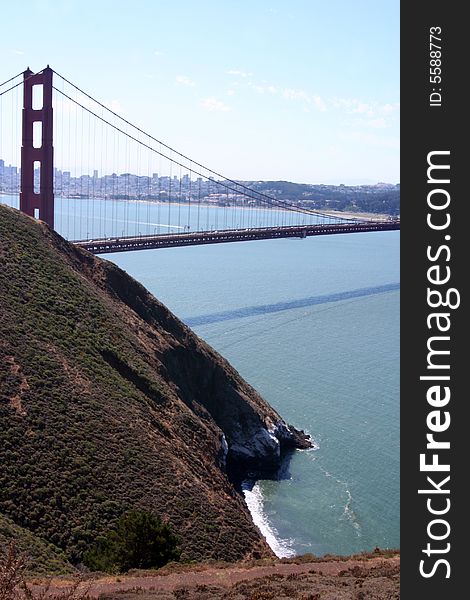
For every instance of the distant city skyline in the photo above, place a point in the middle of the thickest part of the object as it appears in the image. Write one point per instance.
(65, 181)
(305, 92)
(191, 188)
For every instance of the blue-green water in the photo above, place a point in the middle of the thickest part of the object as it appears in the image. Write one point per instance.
(313, 325)
(330, 367)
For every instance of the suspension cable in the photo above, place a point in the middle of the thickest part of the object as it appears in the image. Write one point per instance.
(249, 192)
(11, 79)
(19, 82)
(270, 200)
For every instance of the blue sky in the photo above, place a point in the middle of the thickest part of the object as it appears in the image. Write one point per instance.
(306, 91)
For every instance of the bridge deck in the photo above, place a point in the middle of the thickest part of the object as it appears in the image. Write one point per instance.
(149, 242)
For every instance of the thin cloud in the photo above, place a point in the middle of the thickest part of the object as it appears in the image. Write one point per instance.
(238, 73)
(291, 94)
(315, 101)
(213, 104)
(344, 103)
(183, 80)
(353, 106)
(319, 103)
(378, 123)
(388, 109)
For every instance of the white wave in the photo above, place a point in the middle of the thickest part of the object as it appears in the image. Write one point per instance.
(348, 512)
(312, 440)
(282, 548)
(350, 515)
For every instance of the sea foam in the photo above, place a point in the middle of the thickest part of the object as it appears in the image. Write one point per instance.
(282, 548)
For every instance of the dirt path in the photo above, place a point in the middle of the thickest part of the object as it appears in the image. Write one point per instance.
(225, 582)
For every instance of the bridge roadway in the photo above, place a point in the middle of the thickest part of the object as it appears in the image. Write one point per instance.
(149, 242)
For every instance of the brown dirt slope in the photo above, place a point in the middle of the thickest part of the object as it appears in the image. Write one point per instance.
(109, 402)
(364, 577)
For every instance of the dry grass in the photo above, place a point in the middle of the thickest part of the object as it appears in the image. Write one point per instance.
(14, 587)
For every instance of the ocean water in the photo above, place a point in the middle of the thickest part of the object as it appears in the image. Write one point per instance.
(313, 325)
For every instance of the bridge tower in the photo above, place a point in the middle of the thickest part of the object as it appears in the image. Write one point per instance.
(37, 198)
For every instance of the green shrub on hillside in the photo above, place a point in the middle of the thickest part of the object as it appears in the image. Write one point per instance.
(140, 541)
(102, 396)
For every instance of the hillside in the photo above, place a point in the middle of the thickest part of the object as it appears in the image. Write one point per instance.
(43, 558)
(381, 198)
(109, 402)
(374, 576)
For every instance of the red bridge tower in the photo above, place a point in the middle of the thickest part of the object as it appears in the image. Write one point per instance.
(37, 200)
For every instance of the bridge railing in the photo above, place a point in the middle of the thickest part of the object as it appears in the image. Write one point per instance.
(109, 245)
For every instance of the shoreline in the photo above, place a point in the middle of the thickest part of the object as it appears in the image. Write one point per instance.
(327, 213)
(254, 500)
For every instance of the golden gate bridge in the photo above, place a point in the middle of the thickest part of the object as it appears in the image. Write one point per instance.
(71, 147)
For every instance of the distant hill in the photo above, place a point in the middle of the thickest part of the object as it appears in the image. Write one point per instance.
(381, 198)
(109, 402)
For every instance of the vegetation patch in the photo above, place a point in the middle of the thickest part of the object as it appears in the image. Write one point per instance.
(107, 405)
(139, 541)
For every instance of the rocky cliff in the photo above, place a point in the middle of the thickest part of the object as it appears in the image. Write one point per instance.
(108, 401)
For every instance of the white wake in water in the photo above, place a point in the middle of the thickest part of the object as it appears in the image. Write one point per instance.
(282, 548)
(348, 512)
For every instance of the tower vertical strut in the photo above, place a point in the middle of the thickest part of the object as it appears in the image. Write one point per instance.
(42, 200)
